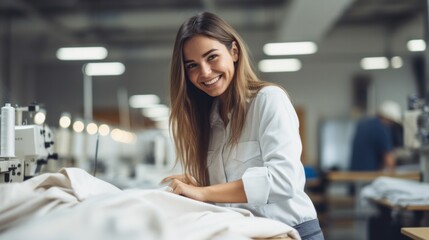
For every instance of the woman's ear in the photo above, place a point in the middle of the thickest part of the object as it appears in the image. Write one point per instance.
(234, 51)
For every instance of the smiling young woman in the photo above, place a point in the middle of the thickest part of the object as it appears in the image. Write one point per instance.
(236, 136)
(209, 64)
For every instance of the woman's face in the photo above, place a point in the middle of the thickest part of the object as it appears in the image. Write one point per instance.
(209, 64)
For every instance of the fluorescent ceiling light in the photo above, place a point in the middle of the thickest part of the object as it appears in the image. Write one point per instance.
(78, 126)
(91, 128)
(104, 69)
(416, 45)
(157, 111)
(371, 63)
(280, 65)
(82, 53)
(123, 136)
(396, 62)
(290, 48)
(145, 100)
(104, 130)
(40, 117)
(65, 120)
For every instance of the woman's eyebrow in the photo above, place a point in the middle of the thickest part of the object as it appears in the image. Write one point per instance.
(209, 51)
(204, 55)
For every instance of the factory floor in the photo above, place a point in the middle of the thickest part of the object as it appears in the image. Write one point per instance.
(343, 225)
(343, 217)
(339, 215)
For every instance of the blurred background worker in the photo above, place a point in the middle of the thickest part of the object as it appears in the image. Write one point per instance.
(375, 139)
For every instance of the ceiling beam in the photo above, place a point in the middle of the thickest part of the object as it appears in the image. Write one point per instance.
(309, 20)
(36, 18)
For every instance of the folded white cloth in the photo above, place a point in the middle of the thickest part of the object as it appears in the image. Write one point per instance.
(72, 204)
(397, 191)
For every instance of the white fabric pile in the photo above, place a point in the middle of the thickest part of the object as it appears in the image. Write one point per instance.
(396, 191)
(71, 204)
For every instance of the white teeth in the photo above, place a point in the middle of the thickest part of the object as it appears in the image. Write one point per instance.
(212, 81)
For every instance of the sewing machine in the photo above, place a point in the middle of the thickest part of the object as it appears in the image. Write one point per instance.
(33, 148)
(416, 132)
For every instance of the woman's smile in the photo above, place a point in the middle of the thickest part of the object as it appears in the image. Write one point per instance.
(211, 82)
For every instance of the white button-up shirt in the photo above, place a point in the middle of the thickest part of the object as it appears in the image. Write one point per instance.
(266, 158)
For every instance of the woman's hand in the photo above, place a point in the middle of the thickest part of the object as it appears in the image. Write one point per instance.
(188, 179)
(185, 185)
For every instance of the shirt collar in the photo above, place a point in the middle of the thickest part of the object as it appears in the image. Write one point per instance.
(214, 114)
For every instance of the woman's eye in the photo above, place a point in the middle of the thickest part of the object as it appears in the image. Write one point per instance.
(211, 57)
(190, 66)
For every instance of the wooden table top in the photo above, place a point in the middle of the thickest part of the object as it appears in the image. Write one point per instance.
(416, 233)
(351, 176)
(386, 203)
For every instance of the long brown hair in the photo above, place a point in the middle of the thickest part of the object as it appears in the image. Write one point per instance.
(191, 107)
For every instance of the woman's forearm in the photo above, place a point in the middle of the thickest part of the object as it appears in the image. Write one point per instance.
(232, 192)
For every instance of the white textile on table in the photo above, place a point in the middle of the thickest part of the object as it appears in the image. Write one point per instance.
(400, 192)
(72, 204)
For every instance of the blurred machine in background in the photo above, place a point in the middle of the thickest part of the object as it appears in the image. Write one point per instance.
(411, 138)
(416, 133)
(423, 135)
(26, 148)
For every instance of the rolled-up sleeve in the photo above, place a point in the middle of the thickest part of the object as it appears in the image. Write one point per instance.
(255, 181)
(280, 144)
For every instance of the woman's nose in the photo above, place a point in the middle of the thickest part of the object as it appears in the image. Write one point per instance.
(205, 69)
